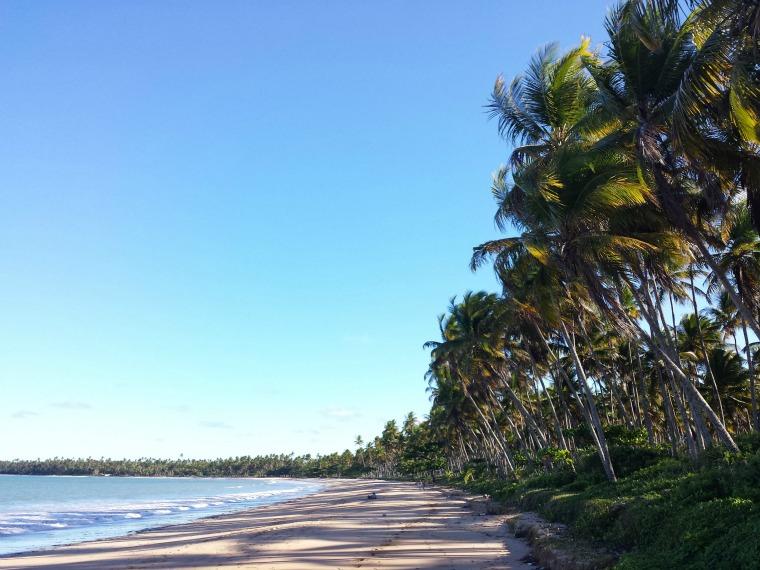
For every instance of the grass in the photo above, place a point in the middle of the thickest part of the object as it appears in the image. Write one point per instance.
(662, 512)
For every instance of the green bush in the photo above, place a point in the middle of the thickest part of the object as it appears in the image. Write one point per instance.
(662, 513)
(626, 459)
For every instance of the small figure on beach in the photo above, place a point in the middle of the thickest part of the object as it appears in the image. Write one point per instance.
(372, 495)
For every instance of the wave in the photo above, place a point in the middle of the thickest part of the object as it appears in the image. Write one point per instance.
(115, 513)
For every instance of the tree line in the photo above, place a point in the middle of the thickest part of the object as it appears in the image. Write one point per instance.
(410, 451)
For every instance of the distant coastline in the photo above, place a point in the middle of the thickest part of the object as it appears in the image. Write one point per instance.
(304, 466)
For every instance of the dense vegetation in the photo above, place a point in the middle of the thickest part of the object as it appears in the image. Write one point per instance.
(624, 221)
(662, 512)
(611, 383)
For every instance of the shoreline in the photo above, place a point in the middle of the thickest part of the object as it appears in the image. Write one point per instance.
(113, 532)
(336, 527)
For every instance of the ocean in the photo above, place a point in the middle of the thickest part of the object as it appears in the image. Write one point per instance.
(38, 512)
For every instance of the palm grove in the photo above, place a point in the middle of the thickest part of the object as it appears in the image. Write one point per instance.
(631, 294)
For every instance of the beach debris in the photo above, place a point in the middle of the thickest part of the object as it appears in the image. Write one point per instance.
(372, 495)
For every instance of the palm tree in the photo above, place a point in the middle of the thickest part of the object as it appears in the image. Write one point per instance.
(732, 379)
(462, 357)
(717, 110)
(619, 197)
(474, 341)
(651, 50)
(725, 315)
(740, 259)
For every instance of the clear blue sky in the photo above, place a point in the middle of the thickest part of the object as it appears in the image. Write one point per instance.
(227, 227)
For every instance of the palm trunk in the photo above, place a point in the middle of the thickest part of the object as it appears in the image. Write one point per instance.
(752, 389)
(661, 344)
(596, 424)
(615, 392)
(670, 415)
(690, 436)
(706, 358)
(704, 433)
(699, 400)
(645, 401)
(727, 287)
(527, 417)
(507, 457)
(736, 343)
(557, 424)
(520, 441)
(583, 407)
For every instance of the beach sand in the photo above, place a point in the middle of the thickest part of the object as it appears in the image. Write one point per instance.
(405, 528)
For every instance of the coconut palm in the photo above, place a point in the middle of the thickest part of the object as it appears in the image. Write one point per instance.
(717, 110)
(732, 379)
(740, 259)
(724, 314)
(651, 50)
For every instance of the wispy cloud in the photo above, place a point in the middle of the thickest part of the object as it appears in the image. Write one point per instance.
(21, 414)
(181, 408)
(338, 413)
(71, 405)
(215, 424)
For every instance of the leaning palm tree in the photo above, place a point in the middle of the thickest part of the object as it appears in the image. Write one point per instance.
(565, 192)
(547, 106)
(698, 336)
(717, 109)
(461, 356)
(473, 340)
(740, 260)
(723, 312)
(732, 379)
(578, 204)
(542, 296)
(650, 52)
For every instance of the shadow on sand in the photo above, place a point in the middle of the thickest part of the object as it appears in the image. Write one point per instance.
(404, 528)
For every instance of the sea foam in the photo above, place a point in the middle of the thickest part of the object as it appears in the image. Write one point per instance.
(45, 511)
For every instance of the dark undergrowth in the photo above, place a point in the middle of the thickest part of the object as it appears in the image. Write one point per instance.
(662, 512)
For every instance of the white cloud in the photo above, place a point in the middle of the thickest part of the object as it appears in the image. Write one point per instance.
(21, 414)
(338, 413)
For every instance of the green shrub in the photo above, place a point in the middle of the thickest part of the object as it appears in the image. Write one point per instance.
(663, 512)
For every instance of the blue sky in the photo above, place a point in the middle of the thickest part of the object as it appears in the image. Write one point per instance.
(227, 228)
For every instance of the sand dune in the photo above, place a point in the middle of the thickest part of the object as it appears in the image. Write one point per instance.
(405, 528)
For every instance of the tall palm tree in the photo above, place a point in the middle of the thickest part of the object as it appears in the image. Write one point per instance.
(740, 259)
(717, 110)
(724, 314)
(651, 51)
(732, 379)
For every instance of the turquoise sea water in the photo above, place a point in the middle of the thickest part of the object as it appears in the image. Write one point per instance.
(40, 512)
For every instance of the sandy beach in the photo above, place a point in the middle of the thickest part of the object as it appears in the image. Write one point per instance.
(405, 528)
